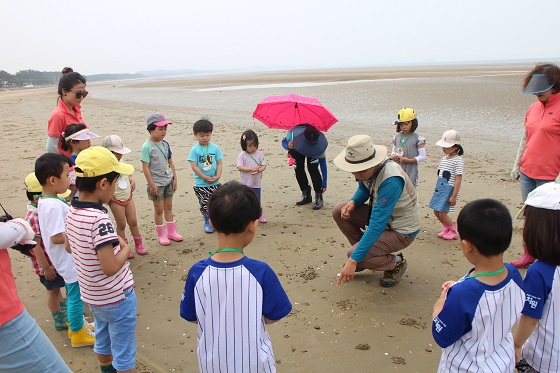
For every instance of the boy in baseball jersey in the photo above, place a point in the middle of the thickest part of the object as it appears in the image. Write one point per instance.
(537, 345)
(231, 296)
(101, 259)
(473, 317)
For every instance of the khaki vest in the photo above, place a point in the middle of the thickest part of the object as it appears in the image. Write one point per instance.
(405, 217)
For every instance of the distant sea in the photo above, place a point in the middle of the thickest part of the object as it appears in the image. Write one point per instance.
(485, 108)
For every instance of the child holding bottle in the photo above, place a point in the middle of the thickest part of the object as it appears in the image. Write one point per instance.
(408, 146)
(121, 204)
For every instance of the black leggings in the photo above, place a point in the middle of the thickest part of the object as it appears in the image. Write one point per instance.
(313, 169)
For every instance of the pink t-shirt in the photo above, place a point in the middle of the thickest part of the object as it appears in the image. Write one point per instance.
(10, 304)
(541, 158)
(60, 118)
(251, 160)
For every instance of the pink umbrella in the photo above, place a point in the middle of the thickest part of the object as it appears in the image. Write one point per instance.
(287, 111)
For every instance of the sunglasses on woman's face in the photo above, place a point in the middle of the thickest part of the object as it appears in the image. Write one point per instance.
(80, 94)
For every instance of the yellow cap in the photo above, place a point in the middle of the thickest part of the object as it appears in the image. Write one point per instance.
(406, 114)
(33, 186)
(98, 161)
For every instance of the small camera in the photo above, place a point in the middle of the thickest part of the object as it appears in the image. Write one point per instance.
(25, 249)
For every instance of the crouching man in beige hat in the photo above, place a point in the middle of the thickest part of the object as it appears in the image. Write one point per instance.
(385, 225)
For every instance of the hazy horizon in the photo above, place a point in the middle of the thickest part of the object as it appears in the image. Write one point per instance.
(257, 69)
(130, 36)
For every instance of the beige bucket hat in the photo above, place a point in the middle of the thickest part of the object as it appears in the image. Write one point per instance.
(360, 154)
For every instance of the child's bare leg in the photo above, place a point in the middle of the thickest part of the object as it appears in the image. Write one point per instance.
(130, 212)
(444, 218)
(54, 297)
(168, 208)
(158, 212)
(120, 217)
(105, 362)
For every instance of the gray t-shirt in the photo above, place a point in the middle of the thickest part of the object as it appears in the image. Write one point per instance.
(156, 155)
(409, 144)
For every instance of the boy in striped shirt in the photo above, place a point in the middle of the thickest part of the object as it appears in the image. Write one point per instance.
(101, 259)
(473, 317)
(231, 296)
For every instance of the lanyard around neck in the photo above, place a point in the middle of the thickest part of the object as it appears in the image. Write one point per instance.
(401, 142)
(157, 146)
(484, 274)
(226, 250)
(249, 154)
(45, 195)
(202, 150)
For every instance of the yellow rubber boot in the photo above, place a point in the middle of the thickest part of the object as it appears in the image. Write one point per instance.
(82, 338)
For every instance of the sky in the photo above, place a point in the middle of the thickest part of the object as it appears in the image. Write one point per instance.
(124, 36)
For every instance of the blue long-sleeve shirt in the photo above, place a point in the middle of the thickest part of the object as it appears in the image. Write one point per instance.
(388, 194)
(321, 158)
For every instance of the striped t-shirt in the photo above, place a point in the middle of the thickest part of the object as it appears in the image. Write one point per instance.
(450, 168)
(229, 301)
(542, 285)
(89, 228)
(32, 217)
(474, 326)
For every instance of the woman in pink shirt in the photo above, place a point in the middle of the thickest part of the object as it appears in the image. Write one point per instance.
(538, 157)
(71, 92)
(25, 348)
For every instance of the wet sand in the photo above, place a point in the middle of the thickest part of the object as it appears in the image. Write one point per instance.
(358, 326)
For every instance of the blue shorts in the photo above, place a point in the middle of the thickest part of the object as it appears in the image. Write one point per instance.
(57, 283)
(115, 326)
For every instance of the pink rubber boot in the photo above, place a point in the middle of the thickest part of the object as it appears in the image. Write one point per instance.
(172, 231)
(139, 246)
(525, 261)
(451, 233)
(444, 231)
(161, 236)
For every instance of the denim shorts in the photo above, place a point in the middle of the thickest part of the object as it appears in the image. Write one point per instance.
(527, 184)
(115, 326)
(57, 283)
(164, 192)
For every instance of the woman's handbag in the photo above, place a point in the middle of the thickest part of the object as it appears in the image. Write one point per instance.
(442, 193)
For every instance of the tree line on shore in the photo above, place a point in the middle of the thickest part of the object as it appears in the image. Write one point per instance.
(32, 78)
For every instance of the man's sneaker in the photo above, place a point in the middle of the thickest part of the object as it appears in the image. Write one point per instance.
(393, 277)
(82, 338)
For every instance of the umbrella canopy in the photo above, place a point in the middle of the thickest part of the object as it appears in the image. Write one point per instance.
(287, 111)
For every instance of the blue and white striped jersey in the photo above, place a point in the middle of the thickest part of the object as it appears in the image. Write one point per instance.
(474, 326)
(229, 301)
(542, 285)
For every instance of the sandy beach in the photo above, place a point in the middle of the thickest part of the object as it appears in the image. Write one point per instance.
(357, 326)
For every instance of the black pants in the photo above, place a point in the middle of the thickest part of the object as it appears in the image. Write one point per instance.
(313, 169)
